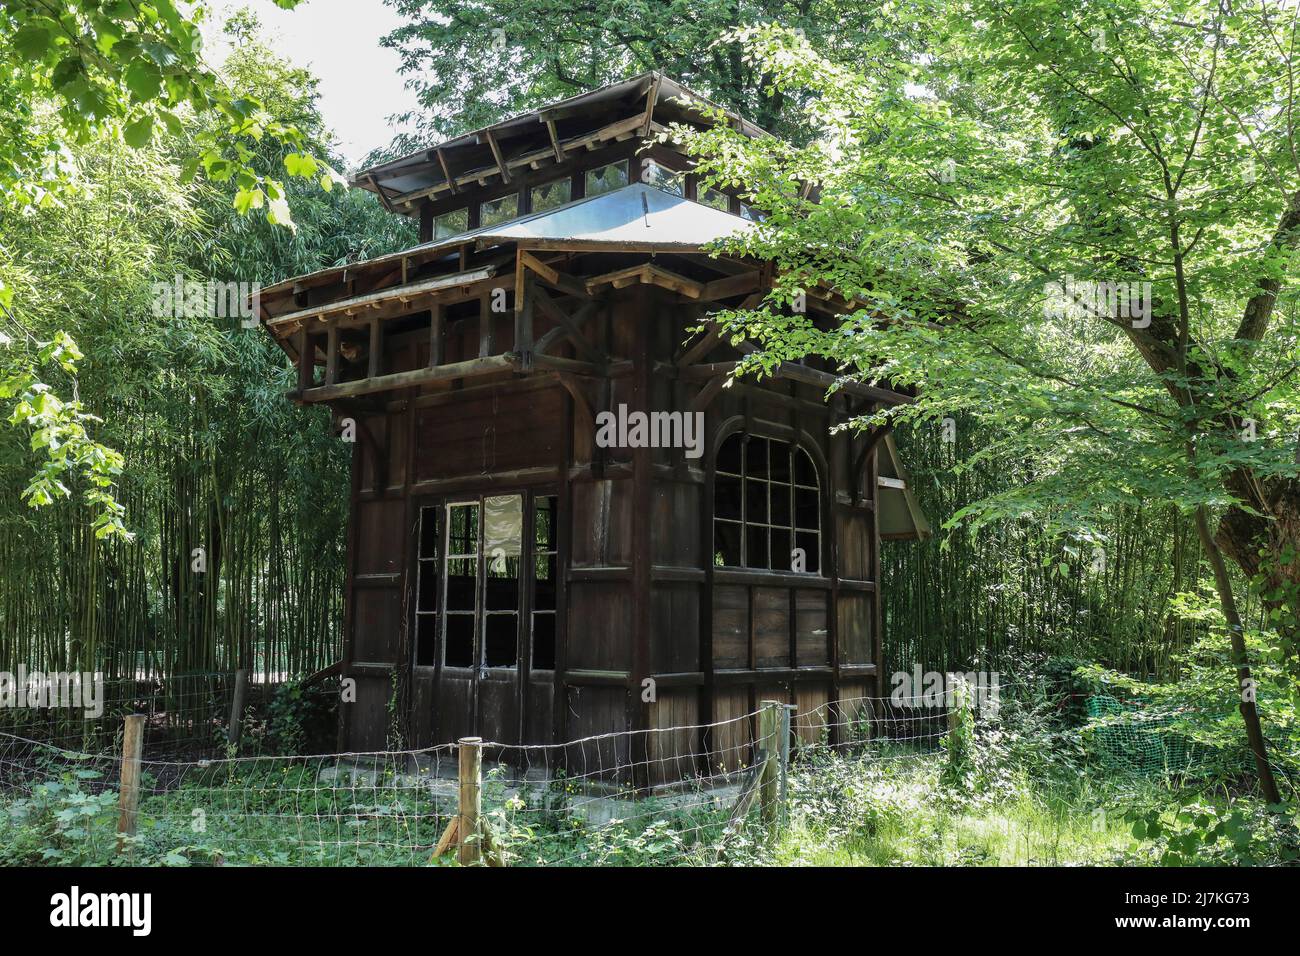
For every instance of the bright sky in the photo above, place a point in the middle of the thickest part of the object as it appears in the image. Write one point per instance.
(338, 40)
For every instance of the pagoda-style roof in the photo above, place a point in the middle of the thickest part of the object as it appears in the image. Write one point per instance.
(642, 105)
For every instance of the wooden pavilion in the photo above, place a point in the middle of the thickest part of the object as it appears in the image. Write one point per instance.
(511, 575)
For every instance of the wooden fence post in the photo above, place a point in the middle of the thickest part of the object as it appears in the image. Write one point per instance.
(769, 732)
(128, 801)
(468, 841)
(237, 707)
(783, 754)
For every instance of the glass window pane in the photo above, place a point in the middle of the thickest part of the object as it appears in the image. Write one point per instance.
(459, 641)
(462, 529)
(426, 639)
(552, 194)
(729, 454)
(503, 527)
(714, 197)
(661, 177)
(428, 532)
(606, 178)
(544, 524)
(782, 544)
(811, 544)
(450, 223)
(806, 513)
(544, 642)
(749, 212)
(756, 547)
(756, 457)
(779, 512)
(726, 490)
(804, 472)
(462, 583)
(499, 210)
(500, 645)
(755, 501)
(544, 583)
(726, 544)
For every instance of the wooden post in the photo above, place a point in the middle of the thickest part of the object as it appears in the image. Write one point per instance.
(783, 755)
(128, 801)
(237, 707)
(469, 843)
(769, 732)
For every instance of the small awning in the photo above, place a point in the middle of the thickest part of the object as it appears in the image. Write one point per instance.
(900, 516)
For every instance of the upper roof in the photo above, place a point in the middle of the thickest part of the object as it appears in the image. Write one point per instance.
(643, 102)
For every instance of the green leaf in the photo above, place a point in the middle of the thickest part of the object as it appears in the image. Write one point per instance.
(139, 133)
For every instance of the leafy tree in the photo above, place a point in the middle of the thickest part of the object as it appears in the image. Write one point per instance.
(508, 56)
(75, 70)
(1075, 221)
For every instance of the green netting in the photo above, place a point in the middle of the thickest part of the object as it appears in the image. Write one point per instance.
(1124, 736)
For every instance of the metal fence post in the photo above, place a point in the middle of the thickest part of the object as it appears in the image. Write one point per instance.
(469, 847)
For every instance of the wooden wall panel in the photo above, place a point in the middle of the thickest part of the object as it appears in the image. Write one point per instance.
(730, 626)
(672, 743)
(771, 627)
(675, 524)
(368, 716)
(381, 545)
(812, 635)
(602, 524)
(498, 431)
(377, 624)
(855, 628)
(854, 528)
(731, 737)
(600, 626)
(813, 715)
(674, 628)
(593, 713)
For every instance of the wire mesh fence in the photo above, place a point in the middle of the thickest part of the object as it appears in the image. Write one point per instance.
(686, 794)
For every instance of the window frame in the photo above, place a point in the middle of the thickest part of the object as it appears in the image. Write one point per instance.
(792, 526)
(524, 611)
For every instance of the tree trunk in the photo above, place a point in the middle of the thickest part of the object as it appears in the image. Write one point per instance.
(1249, 715)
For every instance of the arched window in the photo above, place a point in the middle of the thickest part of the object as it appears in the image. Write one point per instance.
(766, 506)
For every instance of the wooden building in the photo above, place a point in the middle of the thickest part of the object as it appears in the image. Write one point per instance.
(511, 575)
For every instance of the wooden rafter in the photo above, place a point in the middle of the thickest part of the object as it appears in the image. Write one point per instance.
(496, 154)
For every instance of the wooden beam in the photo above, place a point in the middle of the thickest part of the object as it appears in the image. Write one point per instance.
(471, 368)
(555, 140)
(446, 172)
(731, 285)
(496, 154)
(553, 311)
(402, 293)
(650, 274)
(578, 319)
(553, 277)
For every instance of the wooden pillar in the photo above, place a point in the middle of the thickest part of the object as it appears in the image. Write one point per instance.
(376, 348)
(487, 339)
(332, 354)
(128, 801)
(469, 842)
(306, 359)
(437, 317)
